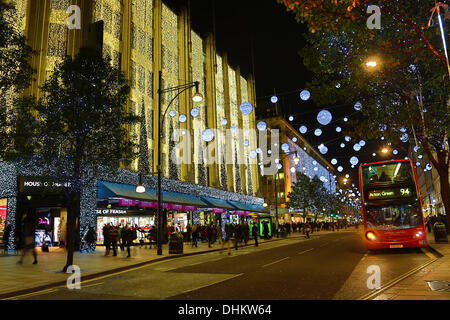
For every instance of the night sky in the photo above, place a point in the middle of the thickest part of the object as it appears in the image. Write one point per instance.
(275, 37)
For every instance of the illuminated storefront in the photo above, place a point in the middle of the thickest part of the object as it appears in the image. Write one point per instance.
(3, 205)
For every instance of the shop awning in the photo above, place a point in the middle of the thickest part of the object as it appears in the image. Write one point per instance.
(217, 203)
(110, 190)
(248, 207)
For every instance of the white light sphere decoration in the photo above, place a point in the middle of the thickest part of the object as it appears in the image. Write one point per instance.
(293, 169)
(404, 137)
(395, 151)
(172, 113)
(291, 118)
(305, 95)
(253, 154)
(182, 118)
(374, 154)
(356, 147)
(246, 108)
(416, 148)
(345, 119)
(279, 166)
(347, 176)
(323, 149)
(233, 128)
(261, 126)
(347, 138)
(358, 106)
(333, 161)
(208, 135)
(354, 160)
(294, 139)
(258, 150)
(285, 147)
(324, 117)
(318, 132)
(246, 143)
(314, 162)
(303, 129)
(195, 112)
(417, 164)
(322, 178)
(274, 99)
(338, 129)
(224, 121)
(316, 169)
(342, 145)
(429, 166)
(362, 143)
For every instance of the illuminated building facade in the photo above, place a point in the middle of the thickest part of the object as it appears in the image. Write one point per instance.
(143, 38)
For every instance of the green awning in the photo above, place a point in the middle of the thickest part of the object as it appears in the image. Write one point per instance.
(249, 207)
(217, 203)
(110, 189)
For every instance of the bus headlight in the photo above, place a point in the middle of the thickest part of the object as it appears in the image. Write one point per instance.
(419, 234)
(370, 236)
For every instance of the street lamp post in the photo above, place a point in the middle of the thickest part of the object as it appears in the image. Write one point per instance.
(196, 98)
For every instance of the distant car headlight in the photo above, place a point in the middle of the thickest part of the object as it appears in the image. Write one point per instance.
(371, 236)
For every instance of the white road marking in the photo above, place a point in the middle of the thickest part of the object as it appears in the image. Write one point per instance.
(324, 245)
(269, 264)
(306, 251)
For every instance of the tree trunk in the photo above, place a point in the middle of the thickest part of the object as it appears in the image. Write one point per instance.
(445, 192)
(72, 214)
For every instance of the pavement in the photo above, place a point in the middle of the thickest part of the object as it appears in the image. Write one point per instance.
(416, 286)
(17, 279)
(25, 278)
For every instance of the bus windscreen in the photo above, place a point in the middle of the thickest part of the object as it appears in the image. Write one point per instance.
(392, 181)
(390, 196)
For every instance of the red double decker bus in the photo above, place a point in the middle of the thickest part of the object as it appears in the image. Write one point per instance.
(392, 207)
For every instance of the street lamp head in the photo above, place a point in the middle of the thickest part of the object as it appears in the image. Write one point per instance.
(140, 188)
(198, 97)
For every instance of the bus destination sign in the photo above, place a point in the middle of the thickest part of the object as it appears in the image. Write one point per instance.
(390, 193)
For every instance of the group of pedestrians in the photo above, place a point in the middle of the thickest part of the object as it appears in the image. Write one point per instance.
(119, 235)
(313, 226)
(241, 233)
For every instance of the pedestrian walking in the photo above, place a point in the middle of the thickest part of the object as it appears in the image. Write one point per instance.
(129, 236)
(195, 233)
(189, 232)
(90, 239)
(237, 235)
(114, 236)
(246, 232)
(106, 239)
(227, 237)
(29, 244)
(6, 235)
(255, 233)
(209, 231)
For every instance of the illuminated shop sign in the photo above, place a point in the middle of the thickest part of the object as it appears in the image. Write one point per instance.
(110, 211)
(390, 193)
(33, 185)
